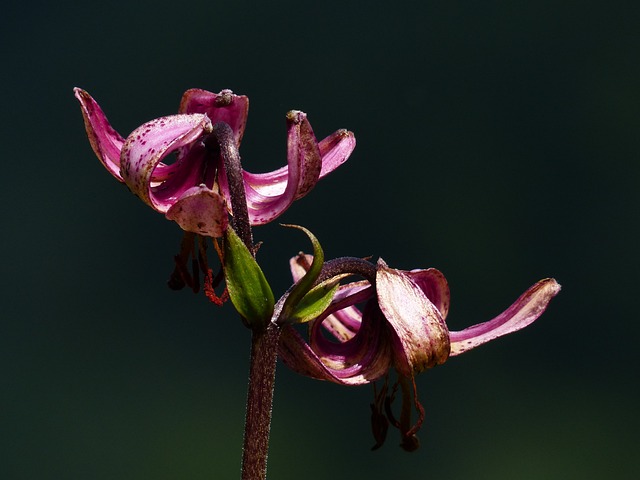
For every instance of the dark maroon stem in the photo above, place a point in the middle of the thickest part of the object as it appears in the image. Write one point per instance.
(352, 265)
(262, 376)
(264, 340)
(233, 169)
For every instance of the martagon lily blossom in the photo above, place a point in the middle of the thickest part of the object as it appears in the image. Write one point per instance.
(193, 190)
(401, 327)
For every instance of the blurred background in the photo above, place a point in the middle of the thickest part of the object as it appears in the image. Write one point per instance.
(497, 141)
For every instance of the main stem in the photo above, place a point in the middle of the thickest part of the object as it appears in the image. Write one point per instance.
(262, 376)
(264, 339)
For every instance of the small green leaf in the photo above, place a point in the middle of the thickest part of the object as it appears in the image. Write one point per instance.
(316, 301)
(302, 287)
(248, 288)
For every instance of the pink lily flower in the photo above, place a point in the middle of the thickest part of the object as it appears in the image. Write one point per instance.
(403, 327)
(193, 189)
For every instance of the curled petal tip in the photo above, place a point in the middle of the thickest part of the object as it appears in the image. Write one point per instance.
(147, 147)
(224, 98)
(335, 150)
(105, 141)
(296, 116)
(523, 312)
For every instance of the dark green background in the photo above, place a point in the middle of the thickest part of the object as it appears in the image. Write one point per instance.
(497, 141)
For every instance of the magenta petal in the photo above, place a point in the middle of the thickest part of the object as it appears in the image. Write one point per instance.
(105, 141)
(434, 285)
(269, 195)
(335, 150)
(421, 337)
(200, 210)
(303, 156)
(345, 322)
(219, 107)
(342, 319)
(360, 355)
(524, 311)
(149, 144)
(363, 359)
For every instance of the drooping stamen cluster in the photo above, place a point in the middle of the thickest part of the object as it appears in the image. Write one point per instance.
(193, 254)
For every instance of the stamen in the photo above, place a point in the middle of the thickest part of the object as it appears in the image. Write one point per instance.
(210, 282)
(180, 275)
(410, 441)
(379, 422)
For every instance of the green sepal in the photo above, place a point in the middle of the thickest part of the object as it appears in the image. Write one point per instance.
(303, 286)
(248, 288)
(316, 301)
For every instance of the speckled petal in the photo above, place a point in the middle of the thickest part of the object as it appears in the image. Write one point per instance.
(363, 359)
(421, 337)
(152, 142)
(270, 194)
(267, 201)
(335, 150)
(105, 141)
(434, 285)
(344, 323)
(524, 311)
(200, 210)
(219, 107)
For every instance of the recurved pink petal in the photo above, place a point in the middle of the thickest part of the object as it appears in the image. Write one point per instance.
(362, 359)
(421, 336)
(219, 107)
(335, 150)
(144, 150)
(303, 156)
(200, 210)
(524, 311)
(434, 285)
(344, 322)
(268, 195)
(105, 141)
(342, 319)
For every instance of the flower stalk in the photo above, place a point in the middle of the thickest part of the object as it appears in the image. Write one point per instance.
(233, 168)
(265, 335)
(262, 375)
